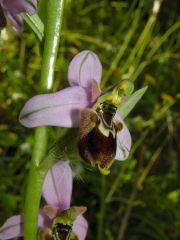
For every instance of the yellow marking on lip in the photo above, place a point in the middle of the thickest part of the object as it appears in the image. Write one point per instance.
(104, 171)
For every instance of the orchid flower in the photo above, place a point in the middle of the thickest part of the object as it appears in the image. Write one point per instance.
(13, 8)
(57, 190)
(64, 107)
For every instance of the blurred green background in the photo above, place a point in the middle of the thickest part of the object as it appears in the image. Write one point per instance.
(140, 199)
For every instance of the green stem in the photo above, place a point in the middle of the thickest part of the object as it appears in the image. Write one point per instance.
(116, 184)
(54, 13)
(137, 187)
(123, 48)
(103, 209)
(52, 38)
(143, 40)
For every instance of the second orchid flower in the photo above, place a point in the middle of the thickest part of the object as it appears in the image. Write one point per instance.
(57, 218)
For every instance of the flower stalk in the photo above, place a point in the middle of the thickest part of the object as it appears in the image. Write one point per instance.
(36, 176)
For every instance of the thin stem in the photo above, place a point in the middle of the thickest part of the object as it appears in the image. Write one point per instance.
(103, 208)
(38, 170)
(69, 35)
(137, 187)
(123, 48)
(143, 40)
(127, 214)
(160, 41)
(115, 184)
(52, 38)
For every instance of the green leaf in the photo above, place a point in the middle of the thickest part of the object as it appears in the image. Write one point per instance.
(43, 10)
(127, 107)
(35, 24)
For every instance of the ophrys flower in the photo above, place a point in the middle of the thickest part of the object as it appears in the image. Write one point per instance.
(83, 105)
(57, 217)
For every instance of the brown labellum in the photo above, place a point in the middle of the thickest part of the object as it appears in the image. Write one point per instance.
(45, 234)
(97, 135)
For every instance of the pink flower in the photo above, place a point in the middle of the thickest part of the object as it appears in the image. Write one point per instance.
(57, 190)
(13, 8)
(63, 108)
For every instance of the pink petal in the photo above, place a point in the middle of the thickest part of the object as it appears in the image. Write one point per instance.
(12, 228)
(13, 9)
(96, 91)
(16, 21)
(50, 211)
(43, 219)
(55, 109)
(80, 210)
(84, 68)
(57, 188)
(2, 18)
(80, 227)
(123, 141)
(19, 6)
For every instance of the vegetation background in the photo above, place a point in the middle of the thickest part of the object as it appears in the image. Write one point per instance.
(140, 199)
